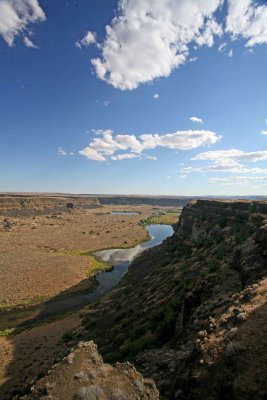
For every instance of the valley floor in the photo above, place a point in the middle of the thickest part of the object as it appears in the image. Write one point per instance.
(44, 255)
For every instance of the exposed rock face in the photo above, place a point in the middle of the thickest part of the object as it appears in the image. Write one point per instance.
(191, 313)
(149, 200)
(83, 375)
(205, 219)
(39, 205)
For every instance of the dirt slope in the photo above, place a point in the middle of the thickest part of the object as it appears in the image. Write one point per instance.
(191, 313)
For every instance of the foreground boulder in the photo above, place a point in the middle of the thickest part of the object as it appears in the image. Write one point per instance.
(83, 375)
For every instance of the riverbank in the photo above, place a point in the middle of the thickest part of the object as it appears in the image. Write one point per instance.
(41, 256)
(46, 255)
(53, 337)
(14, 320)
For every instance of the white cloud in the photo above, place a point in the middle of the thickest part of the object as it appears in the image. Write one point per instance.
(147, 40)
(16, 16)
(247, 19)
(153, 158)
(206, 37)
(242, 180)
(105, 145)
(29, 43)
(222, 47)
(233, 154)
(230, 161)
(197, 120)
(106, 103)
(125, 156)
(156, 96)
(92, 154)
(89, 38)
(168, 177)
(193, 59)
(264, 132)
(180, 140)
(61, 151)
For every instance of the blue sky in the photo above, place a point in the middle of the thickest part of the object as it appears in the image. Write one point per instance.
(136, 97)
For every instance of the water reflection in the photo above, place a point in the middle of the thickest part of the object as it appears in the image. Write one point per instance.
(119, 258)
(157, 234)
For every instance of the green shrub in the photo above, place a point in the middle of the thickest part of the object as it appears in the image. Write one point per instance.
(67, 336)
(213, 266)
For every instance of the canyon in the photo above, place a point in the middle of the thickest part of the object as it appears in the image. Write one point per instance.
(190, 314)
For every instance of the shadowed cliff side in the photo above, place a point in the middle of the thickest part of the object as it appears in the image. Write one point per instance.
(191, 313)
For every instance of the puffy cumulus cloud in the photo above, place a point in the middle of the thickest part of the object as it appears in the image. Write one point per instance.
(92, 154)
(264, 132)
(156, 96)
(180, 140)
(147, 40)
(197, 120)
(105, 145)
(247, 19)
(16, 16)
(231, 161)
(89, 38)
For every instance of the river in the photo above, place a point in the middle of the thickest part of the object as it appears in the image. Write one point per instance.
(120, 259)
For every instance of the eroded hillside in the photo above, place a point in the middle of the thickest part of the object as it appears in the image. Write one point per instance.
(191, 313)
(82, 375)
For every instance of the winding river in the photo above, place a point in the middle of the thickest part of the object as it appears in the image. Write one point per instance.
(120, 259)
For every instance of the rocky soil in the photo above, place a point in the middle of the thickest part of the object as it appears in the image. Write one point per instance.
(191, 313)
(82, 375)
(45, 254)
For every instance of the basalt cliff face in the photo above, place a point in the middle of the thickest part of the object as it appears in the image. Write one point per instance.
(27, 205)
(191, 313)
(41, 205)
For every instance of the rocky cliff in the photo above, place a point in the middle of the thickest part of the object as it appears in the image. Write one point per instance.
(147, 200)
(41, 205)
(191, 313)
(83, 375)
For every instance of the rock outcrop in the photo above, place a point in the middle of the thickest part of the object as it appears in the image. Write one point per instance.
(83, 375)
(191, 313)
(41, 205)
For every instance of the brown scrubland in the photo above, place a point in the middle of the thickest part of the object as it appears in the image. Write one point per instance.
(190, 314)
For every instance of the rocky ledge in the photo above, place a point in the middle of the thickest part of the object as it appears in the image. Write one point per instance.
(83, 375)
